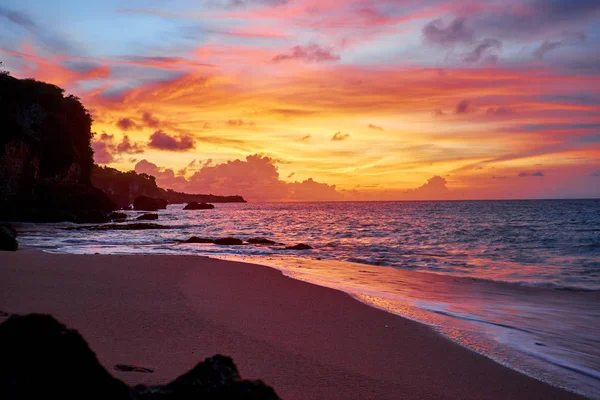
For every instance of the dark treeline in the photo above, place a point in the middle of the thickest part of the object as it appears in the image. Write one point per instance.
(123, 187)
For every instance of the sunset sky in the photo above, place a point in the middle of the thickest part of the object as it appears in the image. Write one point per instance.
(329, 99)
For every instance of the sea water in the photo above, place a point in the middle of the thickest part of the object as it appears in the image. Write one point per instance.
(517, 281)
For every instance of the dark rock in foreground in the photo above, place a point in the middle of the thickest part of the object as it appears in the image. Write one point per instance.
(147, 217)
(198, 206)
(122, 227)
(229, 241)
(300, 246)
(263, 241)
(8, 238)
(42, 359)
(145, 203)
(196, 239)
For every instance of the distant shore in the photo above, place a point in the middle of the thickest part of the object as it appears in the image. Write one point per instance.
(169, 312)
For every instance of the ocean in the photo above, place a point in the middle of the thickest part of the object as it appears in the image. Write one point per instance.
(517, 281)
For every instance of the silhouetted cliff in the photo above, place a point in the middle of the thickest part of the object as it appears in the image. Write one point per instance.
(123, 187)
(45, 155)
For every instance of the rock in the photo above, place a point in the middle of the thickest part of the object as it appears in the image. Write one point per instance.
(121, 227)
(8, 238)
(145, 203)
(147, 217)
(198, 206)
(229, 241)
(195, 239)
(263, 241)
(41, 358)
(300, 246)
(117, 216)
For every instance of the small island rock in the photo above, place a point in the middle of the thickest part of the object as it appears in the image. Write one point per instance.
(198, 206)
(229, 241)
(262, 241)
(300, 246)
(145, 203)
(147, 217)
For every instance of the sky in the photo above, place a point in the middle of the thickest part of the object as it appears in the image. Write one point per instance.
(301, 100)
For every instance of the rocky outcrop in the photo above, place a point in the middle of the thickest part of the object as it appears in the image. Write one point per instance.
(45, 155)
(124, 187)
(229, 241)
(198, 206)
(8, 238)
(300, 246)
(147, 217)
(263, 241)
(145, 203)
(43, 359)
(117, 216)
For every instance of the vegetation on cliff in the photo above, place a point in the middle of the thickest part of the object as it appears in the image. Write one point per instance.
(45, 155)
(124, 187)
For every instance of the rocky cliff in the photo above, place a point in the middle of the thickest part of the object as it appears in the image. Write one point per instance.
(45, 155)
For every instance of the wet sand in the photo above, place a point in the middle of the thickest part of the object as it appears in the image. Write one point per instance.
(167, 313)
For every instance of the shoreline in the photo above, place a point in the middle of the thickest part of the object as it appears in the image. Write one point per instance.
(300, 328)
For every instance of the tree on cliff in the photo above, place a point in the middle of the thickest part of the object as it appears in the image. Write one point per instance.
(46, 158)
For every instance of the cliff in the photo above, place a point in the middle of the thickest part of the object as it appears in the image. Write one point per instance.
(45, 155)
(123, 187)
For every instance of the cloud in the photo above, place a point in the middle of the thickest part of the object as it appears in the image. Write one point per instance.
(126, 124)
(239, 122)
(550, 45)
(525, 173)
(312, 53)
(456, 32)
(463, 107)
(375, 127)
(435, 188)
(595, 173)
(107, 149)
(150, 121)
(483, 49)
(339, 136)
(163, 141)
(500, 111)
(44, 37)
(438, 112)
(229, 4)
(256, 178)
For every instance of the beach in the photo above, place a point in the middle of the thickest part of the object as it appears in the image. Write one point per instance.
(167, 313)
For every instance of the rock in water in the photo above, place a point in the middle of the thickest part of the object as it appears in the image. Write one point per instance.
(147, 217)
(262, 241)
(117, 216)
(42, 359)
(8, 238)
(145, 203)
(198, 206)
(300, 246)
(229, 241)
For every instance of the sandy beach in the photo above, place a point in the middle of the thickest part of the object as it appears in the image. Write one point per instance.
(169, 312)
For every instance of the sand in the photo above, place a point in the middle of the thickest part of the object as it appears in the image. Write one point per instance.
(169, 312)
